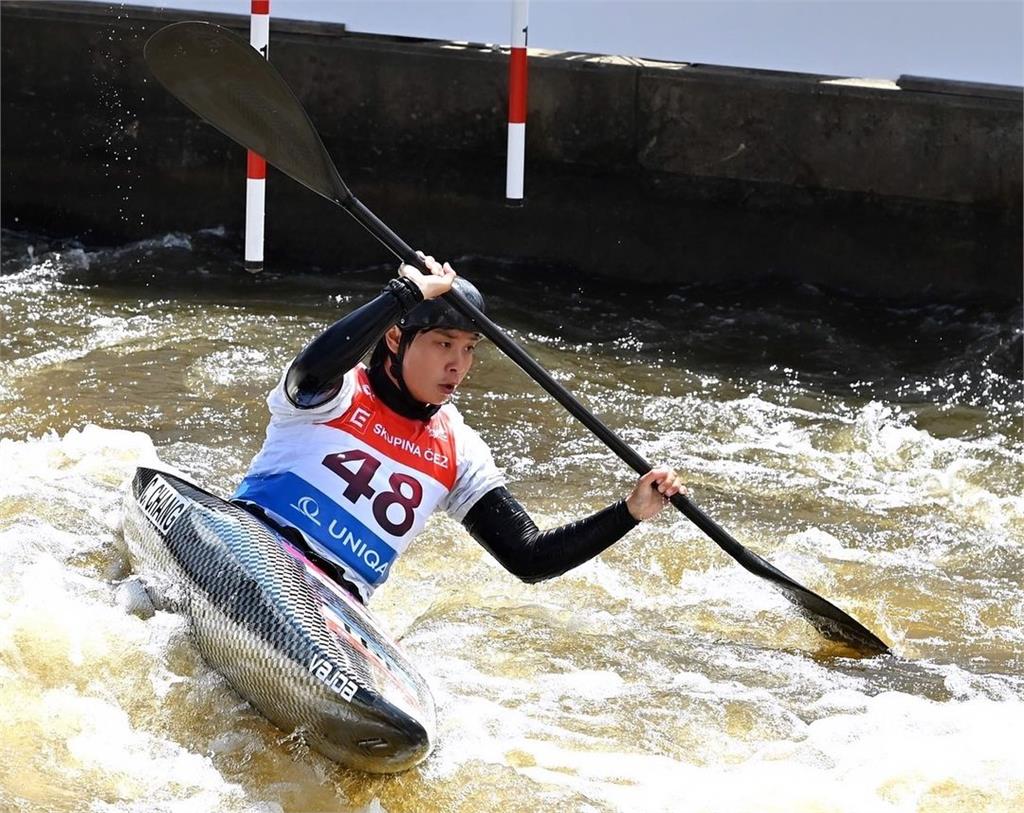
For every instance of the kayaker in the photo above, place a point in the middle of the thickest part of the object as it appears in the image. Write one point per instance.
(357, 457)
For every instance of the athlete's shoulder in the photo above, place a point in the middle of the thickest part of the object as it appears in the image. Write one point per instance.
(466, 437)
(359, 376)
(450, 414)
(476, 469)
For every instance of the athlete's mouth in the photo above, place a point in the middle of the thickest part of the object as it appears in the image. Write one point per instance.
(448, 388)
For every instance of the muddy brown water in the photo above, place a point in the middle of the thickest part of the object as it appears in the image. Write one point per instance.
(873, 451)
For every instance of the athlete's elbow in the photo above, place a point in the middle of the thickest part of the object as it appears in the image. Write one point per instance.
(302, 398)
(531, 578)
(294, 385)
(531, 573)
(305, 391)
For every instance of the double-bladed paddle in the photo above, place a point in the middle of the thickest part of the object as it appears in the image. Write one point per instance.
(226, 82)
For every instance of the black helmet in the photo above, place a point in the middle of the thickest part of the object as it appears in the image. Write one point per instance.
(436, 313)
(428, 315)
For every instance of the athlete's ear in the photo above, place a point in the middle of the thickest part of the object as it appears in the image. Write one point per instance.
(393, 337)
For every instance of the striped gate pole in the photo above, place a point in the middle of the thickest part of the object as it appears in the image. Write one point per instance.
(256, 167)
(517, 103)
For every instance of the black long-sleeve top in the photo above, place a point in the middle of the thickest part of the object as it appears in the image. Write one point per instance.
(497, 521)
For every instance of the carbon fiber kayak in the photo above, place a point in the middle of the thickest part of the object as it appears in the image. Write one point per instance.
(306, 654)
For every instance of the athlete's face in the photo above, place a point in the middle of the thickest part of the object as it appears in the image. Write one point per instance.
(436, 362)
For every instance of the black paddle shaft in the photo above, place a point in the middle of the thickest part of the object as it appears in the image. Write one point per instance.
(828, 619)
(226, 82)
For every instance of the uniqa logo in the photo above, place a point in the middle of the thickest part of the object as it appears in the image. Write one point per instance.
(309, 508)
(349, 540)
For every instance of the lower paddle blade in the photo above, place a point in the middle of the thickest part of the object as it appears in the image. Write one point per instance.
(227, 83)
(823, 615)
(832, 622)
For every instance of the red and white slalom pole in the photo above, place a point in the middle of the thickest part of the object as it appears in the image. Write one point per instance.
(256, 167)
(517, 103)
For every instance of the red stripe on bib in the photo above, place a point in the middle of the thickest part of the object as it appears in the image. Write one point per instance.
(428, 447)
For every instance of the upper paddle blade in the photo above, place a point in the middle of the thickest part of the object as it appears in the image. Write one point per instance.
(230, 85)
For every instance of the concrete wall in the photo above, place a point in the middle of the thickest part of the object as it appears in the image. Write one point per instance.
(655, 171)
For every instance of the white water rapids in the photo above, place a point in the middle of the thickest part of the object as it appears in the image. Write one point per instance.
(873, 451)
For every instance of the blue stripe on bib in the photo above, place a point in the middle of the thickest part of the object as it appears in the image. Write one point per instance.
(318, 516)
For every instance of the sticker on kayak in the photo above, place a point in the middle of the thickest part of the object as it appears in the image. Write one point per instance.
(162, 504)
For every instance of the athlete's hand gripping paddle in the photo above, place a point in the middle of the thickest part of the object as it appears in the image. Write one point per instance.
(226, 82)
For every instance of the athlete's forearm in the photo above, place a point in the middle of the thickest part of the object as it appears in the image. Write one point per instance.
(317, 372)
(501, 525)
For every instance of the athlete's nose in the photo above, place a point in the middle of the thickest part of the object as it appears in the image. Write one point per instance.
(459, 363)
